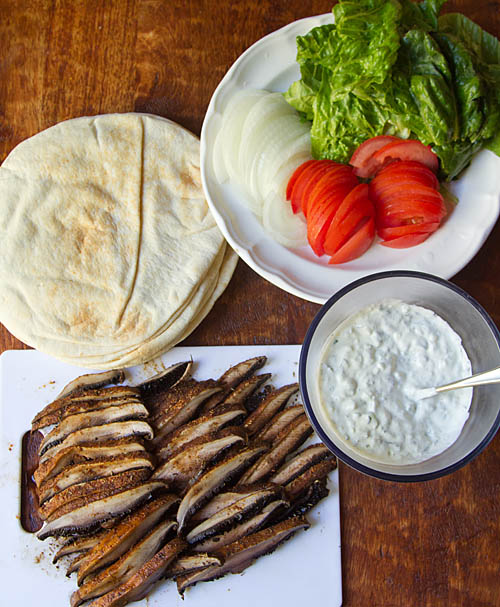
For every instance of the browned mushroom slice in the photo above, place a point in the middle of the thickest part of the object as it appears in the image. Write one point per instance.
(289, 439)
(125, 534)
(106, 432)
(245, 389)
(300, 463)
(76, 422)
(308, 499)
(270, 512)
(189, 563)
(166, 379)
(274, 402)
(92, 380)
(108, 483)
(124, 568)
(181, 468)
(241, 554)
(223, 500)
(161, 402)
(138, 586)
(214, 481)
(202, 426)
(280, 421)
(79, 544)
(81, 473)
(79, 454)
(51, 414)
(91, 515)
(302, 483)
(74, 565)
(232, 377)
(239, 511)
(182, 411)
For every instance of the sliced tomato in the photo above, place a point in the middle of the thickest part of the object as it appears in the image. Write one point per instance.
(362, 155)
(306, 180)
(404, 242)
(341, 175)
(407, 229)
(406, 170)
(395, 191)
(298, 171)
(357, 244)
(405, 149)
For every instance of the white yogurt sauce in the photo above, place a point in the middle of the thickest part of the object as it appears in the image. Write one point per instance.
(372, 371)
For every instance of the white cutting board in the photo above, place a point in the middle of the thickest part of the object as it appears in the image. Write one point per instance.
(304, 571)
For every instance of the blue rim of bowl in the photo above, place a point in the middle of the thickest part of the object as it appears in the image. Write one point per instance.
(307, 403)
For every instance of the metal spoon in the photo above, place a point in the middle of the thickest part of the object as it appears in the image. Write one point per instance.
(479, 379)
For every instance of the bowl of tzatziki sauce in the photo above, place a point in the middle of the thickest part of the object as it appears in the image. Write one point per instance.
(368, 357)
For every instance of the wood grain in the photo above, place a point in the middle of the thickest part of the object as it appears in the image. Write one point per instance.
(404, 545)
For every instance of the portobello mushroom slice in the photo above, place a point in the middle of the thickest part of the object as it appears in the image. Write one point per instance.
(106, 432)
(189, 563)
(202, 426)
(165, 379)
(125, 567)
(225, 499)
(239, 511)
(79, 454)
(314, 473)
(159, 404)
(138, 586)
(74, 565)
(116, 541)
(213, 481)
(92, 380)
(79, 544)
(190, 461)
(307, 500)
(244, 390)
(268, 408)
(85, 489)
(232, 377)
(270, 512)
(277, 423)
(81, 473)
(300, 463)
(241, 554)
(90, 516)
(54, 409)
(289, 439)
(79, 421)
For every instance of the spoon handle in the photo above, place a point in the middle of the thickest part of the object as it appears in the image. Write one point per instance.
(488, 377)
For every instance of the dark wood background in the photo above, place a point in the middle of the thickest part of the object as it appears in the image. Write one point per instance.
(433, 544)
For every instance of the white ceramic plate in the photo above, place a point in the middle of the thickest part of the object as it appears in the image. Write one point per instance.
(270, 64)
(305, 570)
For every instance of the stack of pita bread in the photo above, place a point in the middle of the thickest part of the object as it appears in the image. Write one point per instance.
(109, 255)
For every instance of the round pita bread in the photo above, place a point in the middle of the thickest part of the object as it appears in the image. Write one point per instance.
(110, 254)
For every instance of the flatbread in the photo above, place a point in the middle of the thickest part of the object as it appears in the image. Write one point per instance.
(109, 252)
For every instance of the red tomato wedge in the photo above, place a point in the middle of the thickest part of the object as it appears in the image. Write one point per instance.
(298, 171)
(405, 149)
(403, 242)
(395, 191)
(406, 171)
(309, 172)
(407, 229)
(340, 176)
(357, 244)
(360, 160)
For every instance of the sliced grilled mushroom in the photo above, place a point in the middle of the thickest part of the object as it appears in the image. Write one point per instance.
(289, 439)
(91, 515)
(181, 468)
(108, 484)
(51, 414)
(189, 563)
(106, 432)
(125, 534)
(138, 586)
(277, 423)
(125, 567)
(213, 481)
(79, 454)
(245, 389)
(165, 379)
(223, 500)
(74, 565)
(302, 483)
(241, 554)
(81, 473)
(232, 377)
(272, 511)
(309, 498)
(79, 421)
(79, 544)
(239, 511)
(202, 426)
(92, 380)
(274, 402)
(300, 463)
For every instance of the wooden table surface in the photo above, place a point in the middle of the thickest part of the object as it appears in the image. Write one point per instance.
(431, 544)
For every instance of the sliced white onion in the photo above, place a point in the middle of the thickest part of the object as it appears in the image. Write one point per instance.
(300, 148)
(282, 224)
(280, 179)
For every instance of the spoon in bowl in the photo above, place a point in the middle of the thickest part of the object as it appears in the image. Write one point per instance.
(479, 379)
